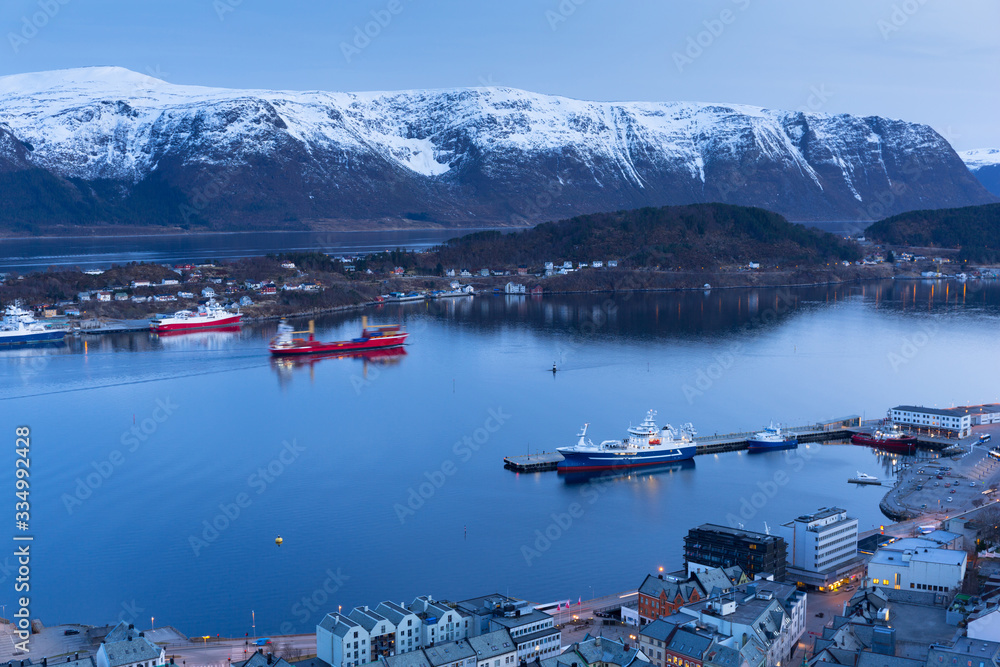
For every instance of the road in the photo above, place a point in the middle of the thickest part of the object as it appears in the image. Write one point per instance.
(219, 653)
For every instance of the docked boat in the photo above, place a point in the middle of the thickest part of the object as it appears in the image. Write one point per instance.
(772, 438)
(864, 478)
(645, 445)
(19, 327)
(401, 297)
(208, 316)
(372, 338)
(890, 439)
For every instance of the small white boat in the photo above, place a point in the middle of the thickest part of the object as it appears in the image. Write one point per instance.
(864, 478)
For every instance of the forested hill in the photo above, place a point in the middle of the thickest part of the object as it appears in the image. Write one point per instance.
(699, 236)
(974, 229)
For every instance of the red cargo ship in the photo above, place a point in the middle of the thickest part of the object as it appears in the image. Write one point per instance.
(372, 338)
(890, 440)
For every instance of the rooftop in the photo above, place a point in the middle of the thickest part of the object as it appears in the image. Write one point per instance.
(943, 412)
(735, 532)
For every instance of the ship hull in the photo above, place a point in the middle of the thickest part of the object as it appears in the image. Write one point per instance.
(339, 347)
(904, 445)
(195, 324)
(771, 445)
(576, 461)
(31, 338)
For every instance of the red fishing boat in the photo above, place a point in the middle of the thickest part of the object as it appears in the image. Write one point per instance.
(372, 338)
(891, 439)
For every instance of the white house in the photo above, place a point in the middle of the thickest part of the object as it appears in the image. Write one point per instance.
(408, 626)
(341, 641)
(612, 263)
(208, 292)
(125, 646)
(514, 288)
(484, 272)
(104, 296)
(598, 264)
(917, 564)
(140, 283)
(440, 623)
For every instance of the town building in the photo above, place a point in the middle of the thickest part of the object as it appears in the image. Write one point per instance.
(712, 545)
(664, 594)
(533, 632)
(598, 652)
(953, 422)
(917, 564)
(439, 621)
(822, 548)
(124, 646)
(770, 613)
(259, 659)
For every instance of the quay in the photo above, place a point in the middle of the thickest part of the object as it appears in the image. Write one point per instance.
(533, 462)
(92, 327)
(824, 431)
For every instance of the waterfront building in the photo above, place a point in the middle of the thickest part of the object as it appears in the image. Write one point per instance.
(954, 422)
(439, 621)
(711, 545)
(493, 649)
(125, 646)
(409, 630)
(341, 641)
(822, 548)
(965, 651)
(917, 564)
(533, 631)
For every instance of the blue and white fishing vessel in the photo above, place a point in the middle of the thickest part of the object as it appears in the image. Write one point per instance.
(645, 445)
(19, 327)
(772, 438)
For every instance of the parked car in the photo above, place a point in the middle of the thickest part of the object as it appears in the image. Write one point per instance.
(949, 499)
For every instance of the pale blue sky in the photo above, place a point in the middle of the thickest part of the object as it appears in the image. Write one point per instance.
(931, 61)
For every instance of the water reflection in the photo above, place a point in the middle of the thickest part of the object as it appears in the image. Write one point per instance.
(287, 367)
(646, 474)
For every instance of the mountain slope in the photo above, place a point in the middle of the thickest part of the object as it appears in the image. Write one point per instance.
(984, 163)
(236, 158)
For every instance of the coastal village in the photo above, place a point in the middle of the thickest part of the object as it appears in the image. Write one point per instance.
(816, 589)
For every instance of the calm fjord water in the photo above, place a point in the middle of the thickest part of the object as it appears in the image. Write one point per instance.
(387, 473)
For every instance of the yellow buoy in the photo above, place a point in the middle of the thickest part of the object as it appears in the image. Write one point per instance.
(278, 540)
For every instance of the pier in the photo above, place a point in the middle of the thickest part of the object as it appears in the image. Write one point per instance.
(826, 431)
(533, 462)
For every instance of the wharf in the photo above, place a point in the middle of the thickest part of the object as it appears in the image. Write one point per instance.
(533, 462)
(94, 327)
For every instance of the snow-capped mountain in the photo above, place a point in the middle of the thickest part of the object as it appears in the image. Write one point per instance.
(461, 156)
(985, 164)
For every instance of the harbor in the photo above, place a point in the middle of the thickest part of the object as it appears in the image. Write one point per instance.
(826, 431)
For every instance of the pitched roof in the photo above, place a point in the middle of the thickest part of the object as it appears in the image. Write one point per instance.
(137, 649)
(443, 654)
(492, 644)
(259, 659)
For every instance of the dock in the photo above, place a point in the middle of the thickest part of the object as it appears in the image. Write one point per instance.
(93, 327)
(533, 462)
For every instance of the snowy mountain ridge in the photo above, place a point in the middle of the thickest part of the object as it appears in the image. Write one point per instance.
(467, 154)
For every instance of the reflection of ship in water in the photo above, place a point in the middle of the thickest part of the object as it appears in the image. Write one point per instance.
(186, 338)
(631, 475)
(285, 366)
